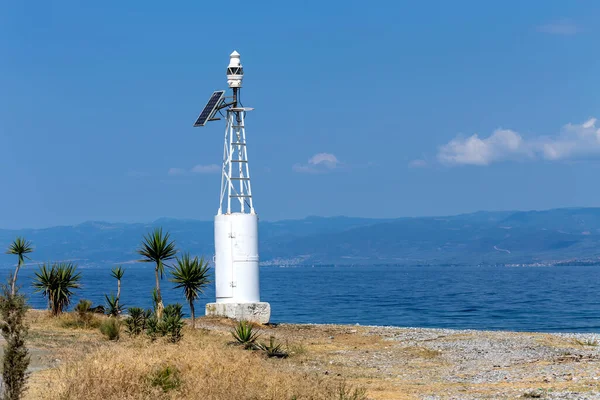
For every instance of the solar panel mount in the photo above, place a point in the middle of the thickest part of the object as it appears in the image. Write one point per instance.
(210, 108)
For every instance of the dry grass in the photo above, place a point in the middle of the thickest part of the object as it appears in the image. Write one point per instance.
(196, 368)
(78, 363)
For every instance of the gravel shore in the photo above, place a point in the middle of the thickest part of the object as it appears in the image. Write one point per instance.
(419, 363)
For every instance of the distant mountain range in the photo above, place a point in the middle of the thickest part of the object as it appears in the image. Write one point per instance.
(559, 236)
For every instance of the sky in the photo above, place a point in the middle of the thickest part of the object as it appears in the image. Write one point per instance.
(372, 109)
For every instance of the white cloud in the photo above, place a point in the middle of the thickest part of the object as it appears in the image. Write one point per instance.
(206, 169)
(320, 162)
(574, 140)
(564, 27)
(197, 169)
(417, 164)
(176, 171)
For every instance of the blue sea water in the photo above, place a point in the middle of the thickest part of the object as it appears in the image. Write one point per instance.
(543, 299)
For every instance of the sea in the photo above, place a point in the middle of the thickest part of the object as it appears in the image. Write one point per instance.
(538, 299)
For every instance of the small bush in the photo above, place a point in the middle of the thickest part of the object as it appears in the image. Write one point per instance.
(135, 323)
(74, 321)
(170, 325)
(166, 377)
(297, 349)
(84, 313)
(111, 328)
(347, 392)
(534, 394)
(245, 334)
(273, 349)
(16, 356)
(173, 321)
(113, 308)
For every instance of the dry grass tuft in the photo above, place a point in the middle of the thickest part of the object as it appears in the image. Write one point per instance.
(192, 369)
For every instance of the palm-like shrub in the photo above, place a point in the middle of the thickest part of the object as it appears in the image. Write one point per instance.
(113, 308)
(20, 247)
(136, 322)
(117, 273)
(191, 275)
(56, 283)
(245, 334)
(273, 349)
(173, 322)
(170, 324)
(157, 248)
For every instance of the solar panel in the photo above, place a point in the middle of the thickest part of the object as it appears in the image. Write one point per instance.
(210, 108)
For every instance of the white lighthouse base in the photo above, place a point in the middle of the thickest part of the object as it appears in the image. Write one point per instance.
(254, 312)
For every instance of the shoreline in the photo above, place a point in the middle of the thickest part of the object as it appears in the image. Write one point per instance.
(389, 362)
(456, 330)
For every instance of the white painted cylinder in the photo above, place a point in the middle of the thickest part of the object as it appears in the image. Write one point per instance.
(236, 258)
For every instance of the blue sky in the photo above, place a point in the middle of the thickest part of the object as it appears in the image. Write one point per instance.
(361, 109)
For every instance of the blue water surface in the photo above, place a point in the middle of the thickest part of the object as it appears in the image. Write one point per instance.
(543, 299)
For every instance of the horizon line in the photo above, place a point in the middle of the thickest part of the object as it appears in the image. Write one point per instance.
(91, 221)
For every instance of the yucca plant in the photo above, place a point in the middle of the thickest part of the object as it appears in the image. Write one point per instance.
(157, 248)
(191, 275)
(117, 273)
(170, 324)
(56, 282)
(173, 322)
(273, 349)
(113, 308)
(135, 323)
(246, 335)
(19, 247)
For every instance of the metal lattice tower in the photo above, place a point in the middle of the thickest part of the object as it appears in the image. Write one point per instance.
(235, 178)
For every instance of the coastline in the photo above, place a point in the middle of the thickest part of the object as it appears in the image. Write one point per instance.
(389, 362)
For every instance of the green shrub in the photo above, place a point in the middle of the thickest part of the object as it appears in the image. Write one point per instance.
(245, 334)
(113, 307)
(166, 377)
(111, 328)
(273, 349)
(170, 325)
(14, 331)
(135, 323)
(84, 312)
(173, 320)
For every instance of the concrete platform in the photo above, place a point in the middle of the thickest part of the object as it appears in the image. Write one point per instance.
(255, 312)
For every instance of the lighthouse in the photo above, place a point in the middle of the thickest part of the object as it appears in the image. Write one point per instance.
(236, 262)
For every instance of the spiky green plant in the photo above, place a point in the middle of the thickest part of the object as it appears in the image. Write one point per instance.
(273, 349)
(113, 308)
(56, 283)
(170, 324)
(246, 335)
(191, 275)
(135, 323)
(19, 247)
(173, 322)
(157, 248)
(117, 273)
